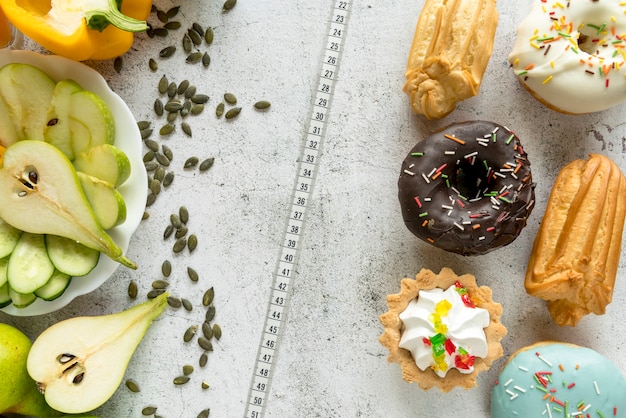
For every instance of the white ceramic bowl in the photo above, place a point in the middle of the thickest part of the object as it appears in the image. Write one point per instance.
(134, 190)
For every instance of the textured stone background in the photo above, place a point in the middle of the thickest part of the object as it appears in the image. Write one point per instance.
(356, 248)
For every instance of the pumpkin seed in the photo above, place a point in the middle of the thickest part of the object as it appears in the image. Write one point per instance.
(206, 164)
(155, 186)
(206, 59)
(172, 12)
(183, 214)
(186, 108)
(132, 289)
(175, 221)
(154, 293)
(171, 90)
(230, 98)
(151, 165)
(171, 117)
(191, 162)
(187, 43)
(204, 414)
(186, 128)
(163, 83)
(162, 16)
(145, 215)
(208, 296)
(192, 242)
(172, 25)
(159, 173)
(173, 105)
(199, 98)
(148, 156)
(158, 107)
(143, 124)
(150, 31)
(210, 313)
(181, 232)
(190, 333)
(162, 159)
(217, 331)
(162, 32)
(203, 359)
(198, 28)
(205, 344)
(166, 267)
(132, 385)
(193, 275)
(229, 4)
(187, 369)
(174, 302)
(196, 109)
(191, 90)
(168, 179)
(208, 36)
(166, 129)
(168, 51)
(118, 64)
(181, 380)
(160, 284)
(187, 304)
(145, 133)
(148, 410)
(232, 112)
(153, 65)
(179, 245)
(207, 330)
(150, 199)
(167, 233)
(219, 110)
(205, 385)
(196, 38)
(194, 57)
(262, 105)
(152, 145)
(167, 152)
(183, 86)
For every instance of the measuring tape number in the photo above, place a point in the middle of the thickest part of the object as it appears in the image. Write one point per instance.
(290, 249)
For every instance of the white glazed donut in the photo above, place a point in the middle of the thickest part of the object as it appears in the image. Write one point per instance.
(570, 54)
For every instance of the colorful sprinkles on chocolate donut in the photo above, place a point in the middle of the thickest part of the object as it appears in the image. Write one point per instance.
(467, 189)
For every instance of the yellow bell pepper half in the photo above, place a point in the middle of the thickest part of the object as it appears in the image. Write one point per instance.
(79, 29)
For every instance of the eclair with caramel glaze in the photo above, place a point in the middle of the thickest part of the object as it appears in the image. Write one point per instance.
(451, 48)
(576, 252)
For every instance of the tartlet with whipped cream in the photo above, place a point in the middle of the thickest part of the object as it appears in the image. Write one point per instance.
(442, 329)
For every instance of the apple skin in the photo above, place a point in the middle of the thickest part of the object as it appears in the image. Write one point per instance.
(18, 391)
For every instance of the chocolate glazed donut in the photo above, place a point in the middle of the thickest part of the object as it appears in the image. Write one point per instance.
(467, 189)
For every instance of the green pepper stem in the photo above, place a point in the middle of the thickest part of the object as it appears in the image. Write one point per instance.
(99, 19)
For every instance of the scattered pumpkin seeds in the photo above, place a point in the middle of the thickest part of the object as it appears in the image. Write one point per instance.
(172, 25)
(145, 133)
(186, 128)
(154, 293)
(151, 165)
(168, 179)
(173, 105)
(150, 200)
(143, 124)
(198, 28)
(230, 98)
(199, 98)
(208, 36)
(196, 109)
(166, 266)
(194, 57)
(132, 386)
(217, 331)
(179, 245)
(167, 129)
(167, 52)
(204, 414)
(148, 156)
(190, 333)
(187, 43)
(203, 359)
(196, 38)
(162, 32)
(228, 5)
(160, 284)
(205, 343)
(219, 110)
(175, 221)
(158, 107)
(206, 164)
(208, 296)
(183, 214)
(192, 242)
(181, 232)
(189, 93)
(210, 313)
(174, 302)
(191, 162)
(206, 59)
(152, 145)
(118, 63)
(148, 410)
(159, 173)
(162, 16)
(182, 87)
(232, 113)
(207, 330)
(262, 105)
(193, 275)
(172, 12)
(163, 83)
(145, 216)
(187, 304)
(167, 152)
(181, 380)
(187, 369)
(205, 385)
(168, 232)
(162, 159)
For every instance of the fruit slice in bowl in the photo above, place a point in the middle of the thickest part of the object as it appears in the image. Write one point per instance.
(132, 187)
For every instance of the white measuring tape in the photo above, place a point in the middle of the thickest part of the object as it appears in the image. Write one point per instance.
(308, 163)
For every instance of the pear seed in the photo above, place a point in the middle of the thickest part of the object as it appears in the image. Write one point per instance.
(132, 386)
(210, 313)
(205, 385)
(190, 333)
(203, 359)
(219, 110)
(205, 344)
(183, 214)
(187, 304)
(206, 164)
(179, 245)
(132, 289)
(168, 179)
(230, 98)
(232, 113)
(174, 302)
(187, 369)
(191, 162)
(207, 298)
(181, 380)
(160, 284)
(65, 358)
(207, 330)
(168, 232)
(217, 331)
(193, 275)
(192, 242)
(78, 378)
(148, 410)
(167, 52)
(166, 268)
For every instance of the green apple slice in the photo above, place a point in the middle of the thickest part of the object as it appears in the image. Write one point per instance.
(8, 133)
(106, 201)
(29, 265)
(57, 129)
(105, 162)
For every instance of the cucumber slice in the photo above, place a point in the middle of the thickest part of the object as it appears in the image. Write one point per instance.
(8, 238)
(5, 299)
(4, 264)
(29, 265)
(55, 286)
(21, 300)
(71, 257)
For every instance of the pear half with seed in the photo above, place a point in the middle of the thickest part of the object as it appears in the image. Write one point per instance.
(43, 195)
(79, 363)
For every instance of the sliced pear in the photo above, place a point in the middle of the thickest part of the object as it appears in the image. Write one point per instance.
(79, 363)
(8, 133)
(8, 238)
(29, 265)
(42, 195)
(57, 129)
(106, 201)
(105, 162)
(92, 112)
(27, 92)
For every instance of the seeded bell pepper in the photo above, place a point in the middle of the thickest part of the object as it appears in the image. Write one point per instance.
(80, 29)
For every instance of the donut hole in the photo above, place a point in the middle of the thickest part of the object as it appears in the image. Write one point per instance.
(469, 179)
(588, 39)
